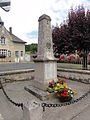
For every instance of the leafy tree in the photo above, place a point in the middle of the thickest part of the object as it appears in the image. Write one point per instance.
(61, 39)
(31, 48)
(79, 30)
(74, 34)
(27, 48)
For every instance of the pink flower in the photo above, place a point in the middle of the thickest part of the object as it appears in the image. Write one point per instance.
(64, 80)
(59, 59)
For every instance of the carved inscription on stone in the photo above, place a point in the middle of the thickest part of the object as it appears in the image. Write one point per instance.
(50, 70)
(48, 45)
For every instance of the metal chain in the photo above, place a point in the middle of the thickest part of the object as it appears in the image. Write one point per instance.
(46, 104)
(16, 104)
(66, 103)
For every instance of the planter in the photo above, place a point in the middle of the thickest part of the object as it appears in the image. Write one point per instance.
(61, 90)
(65, 99)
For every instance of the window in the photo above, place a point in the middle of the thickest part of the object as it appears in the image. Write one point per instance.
(21, 53)
(2, 40)
(9, 53)
(16, 53)
(3, 52)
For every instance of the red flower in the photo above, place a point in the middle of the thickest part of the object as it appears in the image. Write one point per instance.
(53, 80)
(60, 82)
(64, 88)
(64, 94)
(58, 94)
(49, 82)
(62, 57)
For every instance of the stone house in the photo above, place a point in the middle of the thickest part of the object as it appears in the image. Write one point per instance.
(12, 48)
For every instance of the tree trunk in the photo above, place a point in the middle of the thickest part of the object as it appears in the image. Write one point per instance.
(84, 63)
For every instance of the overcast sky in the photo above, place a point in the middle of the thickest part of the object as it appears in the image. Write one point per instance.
(23, 15)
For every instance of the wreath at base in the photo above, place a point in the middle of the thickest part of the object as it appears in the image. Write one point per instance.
(62, 91)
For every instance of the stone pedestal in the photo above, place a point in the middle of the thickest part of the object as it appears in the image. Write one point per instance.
(45, 71)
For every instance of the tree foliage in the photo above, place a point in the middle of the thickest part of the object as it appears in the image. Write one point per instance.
(75, 33)
(32, 48)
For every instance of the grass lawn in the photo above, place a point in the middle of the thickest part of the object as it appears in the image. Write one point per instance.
(71, 66)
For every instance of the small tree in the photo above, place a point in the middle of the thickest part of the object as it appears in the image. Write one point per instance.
(78, 23)
(61, 39)
(75, 34)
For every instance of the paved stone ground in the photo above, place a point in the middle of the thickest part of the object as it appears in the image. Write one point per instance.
(15, 90)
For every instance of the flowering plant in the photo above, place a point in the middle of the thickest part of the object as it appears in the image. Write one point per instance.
(61, 89)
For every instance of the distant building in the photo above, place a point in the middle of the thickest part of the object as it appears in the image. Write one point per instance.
(12, 48)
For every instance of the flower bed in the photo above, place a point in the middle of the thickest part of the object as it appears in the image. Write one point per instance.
(75, 58)
(62, 91)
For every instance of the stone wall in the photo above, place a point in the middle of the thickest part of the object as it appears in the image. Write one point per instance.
(16, 75)
(77, 75)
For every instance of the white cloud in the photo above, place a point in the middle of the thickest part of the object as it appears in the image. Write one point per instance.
(24, 14)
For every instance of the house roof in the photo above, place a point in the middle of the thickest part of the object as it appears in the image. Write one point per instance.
(16, 39)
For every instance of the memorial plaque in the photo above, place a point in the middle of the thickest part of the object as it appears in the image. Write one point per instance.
(50, 71)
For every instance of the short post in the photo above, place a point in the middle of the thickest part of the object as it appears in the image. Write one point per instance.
(32, 111)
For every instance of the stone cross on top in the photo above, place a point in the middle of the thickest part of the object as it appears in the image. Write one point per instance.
(45, 50)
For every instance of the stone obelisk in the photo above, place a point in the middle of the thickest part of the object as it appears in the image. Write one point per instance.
(45, 64)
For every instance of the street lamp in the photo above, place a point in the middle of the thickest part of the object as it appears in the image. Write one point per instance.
(5, 4)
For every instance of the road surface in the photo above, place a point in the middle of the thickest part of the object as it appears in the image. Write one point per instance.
(15, 66)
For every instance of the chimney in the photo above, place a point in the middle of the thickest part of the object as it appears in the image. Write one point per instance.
(10, 30)
(1, 22)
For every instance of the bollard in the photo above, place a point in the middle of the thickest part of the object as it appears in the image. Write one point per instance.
(32, 111)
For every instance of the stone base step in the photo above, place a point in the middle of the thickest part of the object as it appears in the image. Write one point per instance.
(42, 95)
